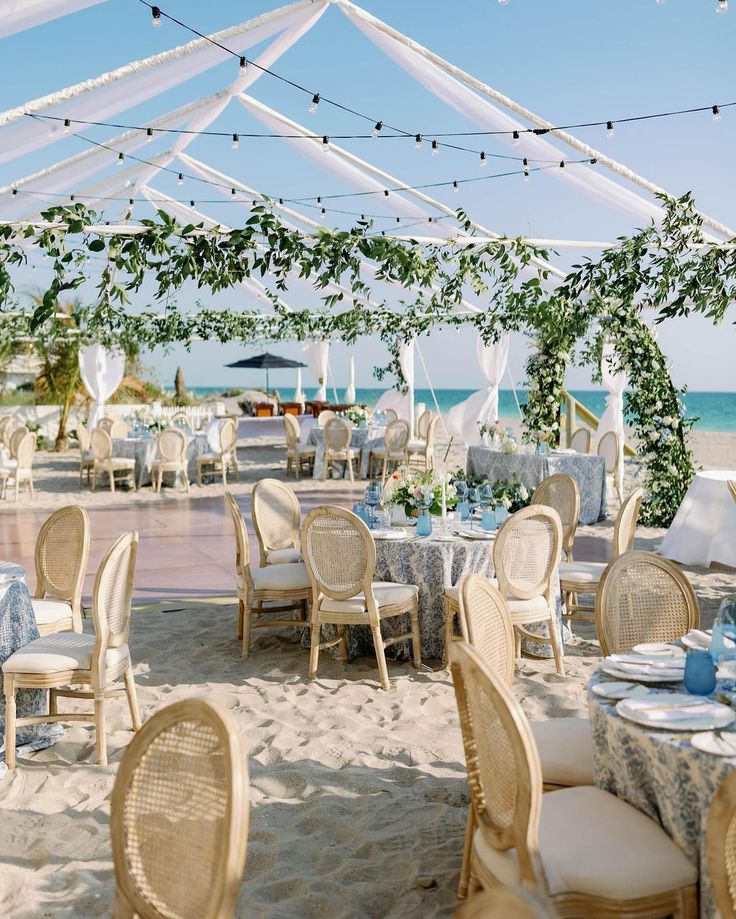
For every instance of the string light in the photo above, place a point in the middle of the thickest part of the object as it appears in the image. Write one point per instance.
(455, 186)
(155, 17)
(191, 204)
(243, 65)
(435, 148)
(323, 211)
(716, 113)
(325, 143)
(67, 126)
(722, 6)
(315, 103)
(180, 180)
(232, 192)
(515, 141)
(236, 141)
(609, 129)
(562, 164)
(121, 157)
(526, 169)
(483, 160)
(385, 193)
(418, 141)
(15, 192)
(149, 135)
(377, 129)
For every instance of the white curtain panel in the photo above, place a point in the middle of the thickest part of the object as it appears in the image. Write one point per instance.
(18, 15)
(392, 398)
(482, 407)
(102, 372)
(612, 419)
(350, 391)
(299, 392)
(317, 354)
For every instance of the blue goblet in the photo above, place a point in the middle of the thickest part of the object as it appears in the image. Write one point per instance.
(474, 500)
(424, 521)
(463, 507)
(700, 673)
(488, 518)
(373, 498)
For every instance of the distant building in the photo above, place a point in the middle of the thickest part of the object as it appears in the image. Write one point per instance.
(22, 370)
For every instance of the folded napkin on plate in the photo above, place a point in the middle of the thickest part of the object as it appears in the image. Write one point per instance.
(674, 671)
(644, 660)
(698, 636)
(681, 712)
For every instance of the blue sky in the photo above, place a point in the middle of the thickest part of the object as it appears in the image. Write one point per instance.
(568, 60)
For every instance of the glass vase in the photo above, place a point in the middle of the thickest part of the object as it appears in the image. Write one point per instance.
(424, 524)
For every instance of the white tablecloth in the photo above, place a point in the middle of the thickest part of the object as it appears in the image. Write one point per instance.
(704, 529)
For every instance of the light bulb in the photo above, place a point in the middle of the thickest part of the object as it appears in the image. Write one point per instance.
(716, 113)
(130, 202)
(121, 157)
(315, 103)
(149, 135)
(232, 192)
(180, 180)
(71, 198)
(515, 141)
(385, 193)
(722, 6)
(243, 65)
(609, 129)
(324, 211)
(562, 164)
(526, 169)
(483, 160)
(191, 204)
(236, 141)
(455, 186)
(377, 129)
(319, 199)
(15, 192)
(67, 126)
(418, 141)
(435, 148)
(326, 143)
(155, 17)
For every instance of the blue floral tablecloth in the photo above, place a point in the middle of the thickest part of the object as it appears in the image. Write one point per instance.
(364, 439)
(143, 451)
(18, 628)
(662, 775)
(588, 471)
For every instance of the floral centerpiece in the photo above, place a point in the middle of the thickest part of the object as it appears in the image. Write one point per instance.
(511, 494)
(405, 489)
(498, 438)
(356, 415)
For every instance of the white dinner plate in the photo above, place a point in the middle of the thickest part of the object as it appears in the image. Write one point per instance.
(697, 639)
(708, 742)
(616, 690)
(642, 675)
(660, 648)
(393, 534)
(676, 712)
(649, 660)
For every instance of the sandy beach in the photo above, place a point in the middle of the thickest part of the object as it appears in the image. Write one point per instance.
(358, 797)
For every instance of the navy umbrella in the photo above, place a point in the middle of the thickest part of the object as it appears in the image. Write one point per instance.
(266, 362)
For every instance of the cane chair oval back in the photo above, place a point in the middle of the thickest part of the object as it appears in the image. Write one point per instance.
(487, 626)
(101, 443)
(181, 418)
(242, 549)
(732, 489)
(228, 436)
(171, 446)
(339, 552)
(624, 531)
(6, 422)
(642, 598)
(8, 432)
(119, 430)
(507, 903)
(338, 434)
(720, 841)
(527, 551)
(179, 815)
(83, 438)
(113, 592)
(581, 440)
(106, 423)
(325, 416)
(276, 516)
(292, 431)
(61, 554)
(432, 430)
(423, 424)
(396, 436)
(504, 771)
(24, 451)
(390, 414)
(608, 448)
(15, 439)
(560, 491)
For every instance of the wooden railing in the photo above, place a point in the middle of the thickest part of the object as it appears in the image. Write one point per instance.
(575, 410)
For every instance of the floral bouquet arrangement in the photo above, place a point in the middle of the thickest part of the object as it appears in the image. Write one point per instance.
(407, 489)
(356, 415)
(511, 494)
(493, 435)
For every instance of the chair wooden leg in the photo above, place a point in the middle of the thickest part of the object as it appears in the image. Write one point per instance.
(185, 473)
(53, 702)
(350, 467)
(199, 474)
(9, 687)
(236, 471)
(112, 480)
(241, 617)
(381, 657)
(449, 630)
(121, 909)
(343, 646)
(416, 641)
(94, 479)
(247, 613)
(517, 644)
(314, 650)
(224, 472)
(100, 733)
(556, 649)
(135, 715)
(462, 887)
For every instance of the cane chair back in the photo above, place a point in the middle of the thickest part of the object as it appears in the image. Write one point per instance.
(338, 434)
(291, 431)
(181, 417)
(624, 530)
(390, 414)
(15, 439)
(643, 597)
(83, 438)
(6, 426)
(581, 440)
(560, 491)
(423, 424)
(171, 446)
(324, 417)
(504, 771)
(24, 451)
(179, 815)
(106, 423)
(113, 594)
(339, 553)
(608, 448)
(732, 489)
(242, 548)
(486, 625)
(61, 555)
(432, 430)
(8, 433)
(119, 430)
(276, 516)
(507, 903)
(228, 436)
(720, 842)
(396, 436)
(527, 552)
(101, 445)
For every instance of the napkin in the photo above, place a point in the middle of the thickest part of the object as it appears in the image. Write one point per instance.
(680, 712)
(651, 669)
(698, 636)
(643, 660)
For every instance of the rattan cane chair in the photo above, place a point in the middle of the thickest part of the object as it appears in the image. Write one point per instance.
(584, 577)
(6, 427)
(732, 489)
(609, 447)
(227, 457)
(62, 551)
(16, 436)
(643, 597)
(324, 416)
(340, 556)
(560, 492)
(20, 469)
(86, 457)
(526, 555)
(390, 414)
(423, 447)
(94, 662)
(181, 419)
(581, 440)
(277, 518)
(106, 423)
(507, 903)
(297, 454)
(720, 842)
(285, 586)
(396, 443)
(338, 434)
(119, 430)
(590, 852)
(107, 464)
(171, 445)
(179, 815)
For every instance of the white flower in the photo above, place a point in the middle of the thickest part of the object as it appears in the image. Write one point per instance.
(667, 421)
(523, 493)
(534, 385)
(653, 435)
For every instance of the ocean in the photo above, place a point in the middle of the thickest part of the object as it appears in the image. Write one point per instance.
(715, 411)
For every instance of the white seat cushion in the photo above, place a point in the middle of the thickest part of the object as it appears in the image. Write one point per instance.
(453, 593)
(566, 750)
(48, 610)
(390, 454)
(527, 609)
(283, 556)
(596, 844)
(61, 651)
(385, 592)
(416, 446)
(305, 450)
(117, 462)
(582, 572)
(280, 577)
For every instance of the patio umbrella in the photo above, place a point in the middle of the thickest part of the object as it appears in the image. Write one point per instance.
(266, 362)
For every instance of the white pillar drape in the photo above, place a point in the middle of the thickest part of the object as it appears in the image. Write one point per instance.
(350, 391)
(482, 407)
(615, 382)
(406, 362)
(317, 355)
(102, 372)
(299, 392)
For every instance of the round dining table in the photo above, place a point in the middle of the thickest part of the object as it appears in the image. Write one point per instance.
(365, 439)
(661, 774)
(143, 449)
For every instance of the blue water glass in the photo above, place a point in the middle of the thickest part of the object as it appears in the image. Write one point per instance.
(424, 523)
(372, 498)
(362, 511)
(474, 499)
(488, 520)
(463, 509)
(700, 673)
(502, 515)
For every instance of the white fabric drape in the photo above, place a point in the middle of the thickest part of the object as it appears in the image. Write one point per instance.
(316, 354)
(299, 392)
(482, 407)
(350, 391)
(102, 372)
(406, 362)
(18, 15)
(615, 382)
